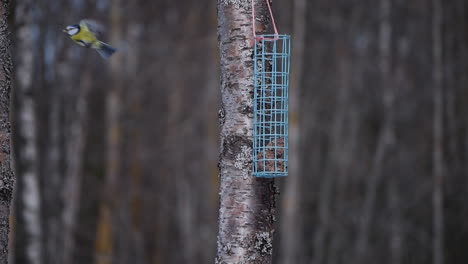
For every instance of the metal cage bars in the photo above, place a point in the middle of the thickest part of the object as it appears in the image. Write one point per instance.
(270, 124)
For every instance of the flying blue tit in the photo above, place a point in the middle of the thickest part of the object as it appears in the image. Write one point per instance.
(86, 34)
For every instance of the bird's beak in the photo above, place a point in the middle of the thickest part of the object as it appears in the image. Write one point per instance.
(64, 31)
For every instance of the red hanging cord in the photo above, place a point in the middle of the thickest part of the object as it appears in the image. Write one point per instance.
(272, 20)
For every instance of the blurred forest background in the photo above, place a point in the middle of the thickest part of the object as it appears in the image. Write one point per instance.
(116, 161)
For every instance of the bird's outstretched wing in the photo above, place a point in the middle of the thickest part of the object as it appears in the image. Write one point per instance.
(93, 26)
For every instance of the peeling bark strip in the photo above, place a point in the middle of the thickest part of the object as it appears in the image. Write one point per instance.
(247, 203)
(6, 176)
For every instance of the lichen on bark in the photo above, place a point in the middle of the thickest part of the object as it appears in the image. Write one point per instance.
(244, 4)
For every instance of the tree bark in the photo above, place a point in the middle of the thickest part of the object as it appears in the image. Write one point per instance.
(247, 204)
(6, 176)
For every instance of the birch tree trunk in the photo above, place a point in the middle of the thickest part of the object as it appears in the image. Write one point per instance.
(28, 206)
(6, 176)
(247, 204)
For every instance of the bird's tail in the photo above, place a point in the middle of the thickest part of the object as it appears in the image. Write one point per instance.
(105, 50)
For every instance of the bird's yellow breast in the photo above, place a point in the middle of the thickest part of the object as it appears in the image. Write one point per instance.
(85, 37)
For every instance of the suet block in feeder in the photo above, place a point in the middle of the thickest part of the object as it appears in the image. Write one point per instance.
(270, 124)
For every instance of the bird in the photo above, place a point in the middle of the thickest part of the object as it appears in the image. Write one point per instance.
(86, 34)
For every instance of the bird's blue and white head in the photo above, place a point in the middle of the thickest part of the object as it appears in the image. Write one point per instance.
(72, 30)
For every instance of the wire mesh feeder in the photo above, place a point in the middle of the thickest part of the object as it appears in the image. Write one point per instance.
(270, 126)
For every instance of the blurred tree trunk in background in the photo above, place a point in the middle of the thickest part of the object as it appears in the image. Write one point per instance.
(53, 106)
(386, 138)
(122, 153)
(52, 111)
(438, 157)
(28, 239)
(157, 204)
(247, 203)
(115, 180)
(161, 205)
(385, 132)
(291, 203)
(6, 177)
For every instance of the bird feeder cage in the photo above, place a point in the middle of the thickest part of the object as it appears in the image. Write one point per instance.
(270, 123)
